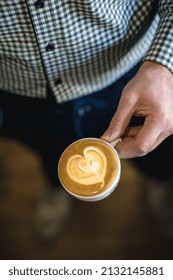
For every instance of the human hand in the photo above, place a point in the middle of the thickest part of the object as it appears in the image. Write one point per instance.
(150, 95)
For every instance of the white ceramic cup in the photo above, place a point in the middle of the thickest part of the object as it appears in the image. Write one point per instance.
(110, 188)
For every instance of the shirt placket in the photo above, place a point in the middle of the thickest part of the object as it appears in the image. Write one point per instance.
(44, 19)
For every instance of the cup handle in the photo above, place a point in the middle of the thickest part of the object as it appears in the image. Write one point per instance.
(115, 142)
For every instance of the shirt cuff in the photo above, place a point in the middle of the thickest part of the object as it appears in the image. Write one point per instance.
(161, 49)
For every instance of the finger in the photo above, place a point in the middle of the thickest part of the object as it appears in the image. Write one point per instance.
(119, 122)
(158, 141)
(142, 143)
(132, 131)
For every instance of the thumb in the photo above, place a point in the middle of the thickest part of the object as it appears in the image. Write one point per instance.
(119, 122)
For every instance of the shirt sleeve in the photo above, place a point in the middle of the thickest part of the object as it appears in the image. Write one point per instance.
(161, 49)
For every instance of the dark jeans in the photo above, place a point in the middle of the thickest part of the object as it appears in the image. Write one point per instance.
(49, 128)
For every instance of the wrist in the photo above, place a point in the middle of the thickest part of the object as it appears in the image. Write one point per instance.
(155, 69)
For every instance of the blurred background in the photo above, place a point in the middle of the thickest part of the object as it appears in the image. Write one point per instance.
(120, 227)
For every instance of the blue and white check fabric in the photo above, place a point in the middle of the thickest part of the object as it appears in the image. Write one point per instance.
(79, 46)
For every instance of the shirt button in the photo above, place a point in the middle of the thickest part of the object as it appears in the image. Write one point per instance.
(50, 47)
(39, 4)
(58, 81)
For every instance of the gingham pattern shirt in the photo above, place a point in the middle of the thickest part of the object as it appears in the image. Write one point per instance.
(79, 46)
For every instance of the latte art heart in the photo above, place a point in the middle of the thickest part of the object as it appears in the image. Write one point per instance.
(87, 169)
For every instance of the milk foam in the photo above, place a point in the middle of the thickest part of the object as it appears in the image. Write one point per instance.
(87, 169)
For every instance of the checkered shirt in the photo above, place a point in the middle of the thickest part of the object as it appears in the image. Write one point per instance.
(79, 46)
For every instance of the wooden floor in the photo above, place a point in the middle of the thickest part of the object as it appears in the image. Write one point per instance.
(119, 227)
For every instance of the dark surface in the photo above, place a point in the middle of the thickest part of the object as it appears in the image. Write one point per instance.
(119, 227)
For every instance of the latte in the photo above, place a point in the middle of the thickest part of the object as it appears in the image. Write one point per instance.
(89, 167)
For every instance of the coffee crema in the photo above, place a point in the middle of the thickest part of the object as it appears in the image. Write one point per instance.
(88, 167)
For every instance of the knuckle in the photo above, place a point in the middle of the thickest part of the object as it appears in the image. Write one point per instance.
(113, 126)
(115, 122)
(142, 149)
(165, 121)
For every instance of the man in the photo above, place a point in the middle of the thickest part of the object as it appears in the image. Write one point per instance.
(54, 54)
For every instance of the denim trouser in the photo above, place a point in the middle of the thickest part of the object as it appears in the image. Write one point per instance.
(49, 128)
